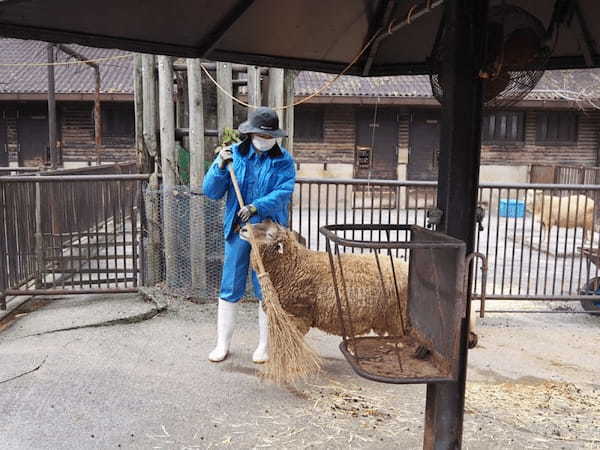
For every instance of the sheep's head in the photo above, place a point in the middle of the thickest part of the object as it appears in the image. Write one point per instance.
(273, 240)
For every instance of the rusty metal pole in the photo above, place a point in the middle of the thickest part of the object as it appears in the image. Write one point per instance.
(51, 108)
(98, 117)
(460, 148)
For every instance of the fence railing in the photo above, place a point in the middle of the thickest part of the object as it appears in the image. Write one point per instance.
(69, 233)
(526, 260)
(562, 174)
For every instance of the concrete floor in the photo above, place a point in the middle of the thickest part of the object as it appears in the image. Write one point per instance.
(119, 372)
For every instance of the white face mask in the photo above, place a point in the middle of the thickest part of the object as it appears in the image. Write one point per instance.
(262, 144)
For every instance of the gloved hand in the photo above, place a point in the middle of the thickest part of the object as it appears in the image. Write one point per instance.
(246, 212)
(225, 157)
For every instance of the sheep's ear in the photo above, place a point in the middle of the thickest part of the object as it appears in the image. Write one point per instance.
(280, 248)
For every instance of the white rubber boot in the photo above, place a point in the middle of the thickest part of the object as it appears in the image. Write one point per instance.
(225, 323)
(261, 354)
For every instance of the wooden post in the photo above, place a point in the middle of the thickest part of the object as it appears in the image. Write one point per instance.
(288, 99)
(51, 108)
(460, 148)
(150, 104)
(254, 95)
(168, 158)
(197, 157)
(143, 163)
(97, 117)
(276, 92)
(224, 102)
(149, 115)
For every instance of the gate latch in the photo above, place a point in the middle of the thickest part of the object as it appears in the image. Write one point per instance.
(434, 217)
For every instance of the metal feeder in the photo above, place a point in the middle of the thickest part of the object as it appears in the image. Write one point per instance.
(428, 350)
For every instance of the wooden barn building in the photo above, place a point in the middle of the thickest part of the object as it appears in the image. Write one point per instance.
(385, 127)
(394, 121)
(24, 104)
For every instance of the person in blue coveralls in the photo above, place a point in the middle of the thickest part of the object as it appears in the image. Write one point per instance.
(266, 174)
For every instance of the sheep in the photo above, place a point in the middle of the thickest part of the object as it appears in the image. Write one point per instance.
(304, 278)
(567, 212)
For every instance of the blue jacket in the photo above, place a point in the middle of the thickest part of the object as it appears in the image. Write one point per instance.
(274, 185)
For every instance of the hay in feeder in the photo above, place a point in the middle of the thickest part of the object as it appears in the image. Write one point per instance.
(290, 358)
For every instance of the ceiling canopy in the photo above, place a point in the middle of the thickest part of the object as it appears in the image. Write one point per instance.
(320, 35)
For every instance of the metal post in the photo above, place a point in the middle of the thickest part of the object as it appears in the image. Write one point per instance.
(38, 237)
(3, 252)
(197, 156)
(224, 102)
(51, 108)
(458, 181)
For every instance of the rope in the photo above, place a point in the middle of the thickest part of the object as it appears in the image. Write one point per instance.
(305, 99)
(65, 63)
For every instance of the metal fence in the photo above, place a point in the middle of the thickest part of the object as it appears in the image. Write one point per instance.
(84, 233)
(526, 261)
(69, 233)
(559, 174)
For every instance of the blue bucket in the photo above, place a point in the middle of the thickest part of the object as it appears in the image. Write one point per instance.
(512, 208)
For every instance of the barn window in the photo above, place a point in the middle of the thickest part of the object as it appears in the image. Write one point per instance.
(308, 124)
(503, 126)
(118, 123)
(556, 127)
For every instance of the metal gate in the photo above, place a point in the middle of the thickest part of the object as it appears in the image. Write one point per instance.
(69, 234)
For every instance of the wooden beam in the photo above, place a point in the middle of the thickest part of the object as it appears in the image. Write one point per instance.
(143, 165)
(578, 26)
(223, 26)
(197, 158)
(383, 19)
(224, 102)
(276, 92)
(288, 98)
(150, 105)
(254, 95)
(52, 127)
(168, 158)
(458, 180)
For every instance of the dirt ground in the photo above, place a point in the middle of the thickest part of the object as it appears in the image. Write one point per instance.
(145, 384)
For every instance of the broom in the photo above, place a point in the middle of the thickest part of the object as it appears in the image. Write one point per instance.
(290, 358)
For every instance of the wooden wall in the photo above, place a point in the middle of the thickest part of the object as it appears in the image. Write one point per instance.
(76, 122)
(340, 128)
(583, 152)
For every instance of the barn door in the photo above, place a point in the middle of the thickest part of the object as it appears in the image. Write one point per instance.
(32, 133)
(376, 154)
(3, 141)
(424, 145)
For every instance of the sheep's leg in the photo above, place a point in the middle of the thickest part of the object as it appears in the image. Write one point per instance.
(473, 337)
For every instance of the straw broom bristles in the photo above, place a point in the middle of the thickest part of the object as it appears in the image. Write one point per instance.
(290, 358)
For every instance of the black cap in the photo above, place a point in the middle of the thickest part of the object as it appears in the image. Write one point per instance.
(262, 120)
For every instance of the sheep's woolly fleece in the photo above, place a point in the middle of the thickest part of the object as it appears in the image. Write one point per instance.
(304, 283)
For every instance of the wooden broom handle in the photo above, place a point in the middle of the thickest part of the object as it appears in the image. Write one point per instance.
(238, 194)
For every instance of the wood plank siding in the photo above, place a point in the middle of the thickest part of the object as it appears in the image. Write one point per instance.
(76, 132)
(582, 152)
(339, 136)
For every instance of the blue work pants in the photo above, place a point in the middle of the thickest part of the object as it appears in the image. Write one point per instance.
(235, 270)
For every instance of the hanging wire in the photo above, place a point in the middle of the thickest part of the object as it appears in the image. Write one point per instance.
(65, 63)
(305, 99)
